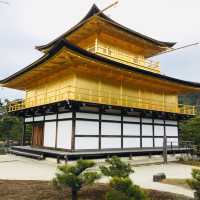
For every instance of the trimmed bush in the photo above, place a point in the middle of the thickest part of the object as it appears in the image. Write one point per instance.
(116, 195)
(75, 176)
(116, 168)
(195, 183)
(123, 188)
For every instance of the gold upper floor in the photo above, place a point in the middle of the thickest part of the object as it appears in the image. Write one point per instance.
(123, 56)
(101, 97)
(103, 40)
(101, 86)
(100, 36)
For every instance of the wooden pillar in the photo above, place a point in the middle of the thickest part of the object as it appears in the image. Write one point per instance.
(56, 139)
(33, 124)
(179, 131)
(153, 131)
(141, 131)
(100, 116)
(23, 132)
(66, 159)
(165, 145)
(73, 127)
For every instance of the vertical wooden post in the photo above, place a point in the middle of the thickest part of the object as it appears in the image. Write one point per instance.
(165, 145)
(153, 129)
(33, 124)
(23, 132)
(66, 159)
(58, 160)
(100, 111)
(56, 139)
(141, 131)
(179, 131)
(73, 127)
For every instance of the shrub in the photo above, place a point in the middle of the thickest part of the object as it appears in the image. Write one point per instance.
(116, 168)
(116, 195)
(195, 182)
(124, 189)
(75, 176)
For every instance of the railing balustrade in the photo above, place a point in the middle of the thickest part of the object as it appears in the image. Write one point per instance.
(102, 97)
(126, 58)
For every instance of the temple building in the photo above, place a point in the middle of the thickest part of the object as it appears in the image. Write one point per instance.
(95, 90)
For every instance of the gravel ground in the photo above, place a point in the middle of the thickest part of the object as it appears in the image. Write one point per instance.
(43, 190)
(20, 168)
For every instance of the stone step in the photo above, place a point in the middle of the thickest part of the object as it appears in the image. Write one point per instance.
(26, 154)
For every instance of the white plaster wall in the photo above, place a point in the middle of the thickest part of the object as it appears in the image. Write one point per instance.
(171, 122)
(87, 115)
(64, 135)
(147, 142)
(110, 143)
(131, 119)
(131, 129)
(173, 140)
(50, 117)
(87, 128)
(86, 143)
(29, 119)
(109, 128)
(64, 115)
(158, 121)
(171, 131)
(158, 142)
(147, 130)
(111, 117)
(39, 118)
(146, 120)
(49, 134)
(131, 142)
(158, 130)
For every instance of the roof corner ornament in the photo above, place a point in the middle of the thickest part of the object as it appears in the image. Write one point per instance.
(108, 7)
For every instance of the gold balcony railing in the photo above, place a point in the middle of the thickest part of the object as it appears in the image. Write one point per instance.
(16, 105)
(124, 57)
(101, 97)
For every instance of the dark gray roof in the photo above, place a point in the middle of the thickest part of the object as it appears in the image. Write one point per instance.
(95, 10)
(82, 52)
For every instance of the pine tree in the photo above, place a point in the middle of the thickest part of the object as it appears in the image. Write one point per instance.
(122, 188)
(75, 176)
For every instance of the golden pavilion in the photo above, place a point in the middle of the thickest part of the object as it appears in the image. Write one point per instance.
(95, 91)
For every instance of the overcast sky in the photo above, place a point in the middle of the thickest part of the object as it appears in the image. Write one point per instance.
(27, 23)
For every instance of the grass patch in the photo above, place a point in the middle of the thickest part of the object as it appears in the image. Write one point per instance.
(178, 182)
(43, 190)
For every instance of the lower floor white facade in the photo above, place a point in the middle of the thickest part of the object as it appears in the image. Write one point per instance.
(81, 130)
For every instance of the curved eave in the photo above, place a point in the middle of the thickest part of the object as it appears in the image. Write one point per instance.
(83, 53)
(94, 11)
(26, 69)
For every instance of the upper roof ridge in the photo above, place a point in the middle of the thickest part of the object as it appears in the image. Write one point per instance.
(94, 10)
